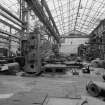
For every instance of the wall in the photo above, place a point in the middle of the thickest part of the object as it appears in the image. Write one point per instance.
(71, 45)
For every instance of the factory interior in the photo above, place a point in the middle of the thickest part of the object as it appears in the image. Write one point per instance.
(52, 52)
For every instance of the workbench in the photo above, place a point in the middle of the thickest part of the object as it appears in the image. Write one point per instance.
(55, 68)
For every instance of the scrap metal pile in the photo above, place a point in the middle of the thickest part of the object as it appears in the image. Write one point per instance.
(9, 68)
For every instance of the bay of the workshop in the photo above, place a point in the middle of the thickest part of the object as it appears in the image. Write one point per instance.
(52, 52)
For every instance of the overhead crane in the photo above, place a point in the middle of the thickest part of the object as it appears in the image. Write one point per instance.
(37, 7)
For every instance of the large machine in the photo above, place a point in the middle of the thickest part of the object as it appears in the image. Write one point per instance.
(35, 49)
(31, 52)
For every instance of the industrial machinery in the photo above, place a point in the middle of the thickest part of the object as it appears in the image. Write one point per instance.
(35, 48)
(32, 53)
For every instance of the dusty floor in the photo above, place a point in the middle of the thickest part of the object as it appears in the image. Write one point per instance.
(56, 86)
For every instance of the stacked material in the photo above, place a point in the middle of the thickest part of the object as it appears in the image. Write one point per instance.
(11, 67)
(96, 88)
(20, 60)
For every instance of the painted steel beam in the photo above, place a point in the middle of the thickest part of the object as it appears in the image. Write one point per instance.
(37, 8)
(9, 13)
(7, 33)
(8, 24)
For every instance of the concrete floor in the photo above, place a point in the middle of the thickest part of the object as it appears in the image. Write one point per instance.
(56, 86)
